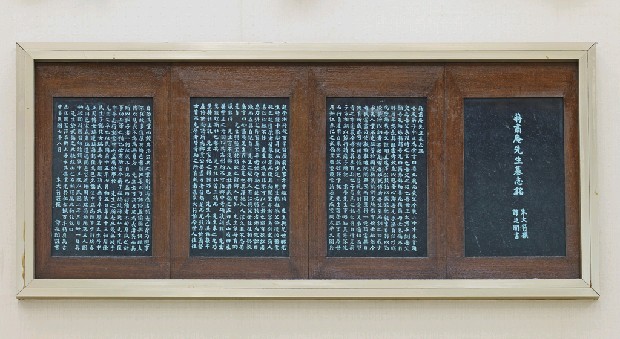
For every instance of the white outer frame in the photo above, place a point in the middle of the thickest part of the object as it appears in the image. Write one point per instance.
(28, 287)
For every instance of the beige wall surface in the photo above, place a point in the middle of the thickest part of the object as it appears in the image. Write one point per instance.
(361, 21)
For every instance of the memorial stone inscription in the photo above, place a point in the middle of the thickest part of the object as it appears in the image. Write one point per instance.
(514, 177)
(376, 177)
(239, 177)
(102, 177)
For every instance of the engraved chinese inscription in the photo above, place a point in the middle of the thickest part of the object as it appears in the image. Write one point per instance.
(102, 177)
(376, 177)
(519, 222)
(239, 177)
(514, 177)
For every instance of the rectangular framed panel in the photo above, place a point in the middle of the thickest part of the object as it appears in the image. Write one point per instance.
(303, 71)
(514, 184)
(235, 209)
(376, 177)
(513, 149)
(101, 163)
(358, 114)
(239, 177)
(102, 166)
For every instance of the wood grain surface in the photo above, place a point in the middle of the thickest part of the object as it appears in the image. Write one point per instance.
(487, 80)
(101, 80)
(171, 85)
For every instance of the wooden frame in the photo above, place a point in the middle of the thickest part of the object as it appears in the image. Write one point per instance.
(359, 80)
(585, 287)
(146, 81)
(517, 80)
(221, 80)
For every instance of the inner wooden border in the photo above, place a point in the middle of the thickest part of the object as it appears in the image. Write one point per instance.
(457, 267)
(497, 80)
(377, 81)
(239, 80)
(101, 80)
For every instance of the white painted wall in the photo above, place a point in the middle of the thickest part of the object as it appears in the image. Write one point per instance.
(317, 21)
